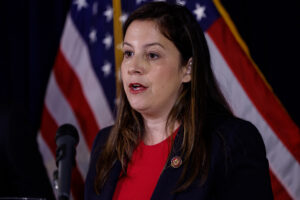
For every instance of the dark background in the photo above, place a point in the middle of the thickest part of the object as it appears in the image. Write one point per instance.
(29, 35)
(271, 30)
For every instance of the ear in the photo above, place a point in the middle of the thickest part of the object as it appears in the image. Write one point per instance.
(187, 71)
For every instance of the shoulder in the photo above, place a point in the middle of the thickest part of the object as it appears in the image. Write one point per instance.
(239, 161)
(102, 136)
(239, 134)
(100, 140)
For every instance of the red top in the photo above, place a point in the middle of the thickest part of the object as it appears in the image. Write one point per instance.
(143, 171)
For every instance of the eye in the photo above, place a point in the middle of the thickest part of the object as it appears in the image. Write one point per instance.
(127, 54)
(153, 56)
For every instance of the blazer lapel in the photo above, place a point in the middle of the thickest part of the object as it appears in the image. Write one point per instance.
(163, 190)
(169, 177)
(166, 184)
(110, 185)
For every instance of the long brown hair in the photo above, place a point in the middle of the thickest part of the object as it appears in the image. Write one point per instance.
(196, 105)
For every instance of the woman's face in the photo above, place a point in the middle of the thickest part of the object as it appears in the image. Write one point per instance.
(151, 69)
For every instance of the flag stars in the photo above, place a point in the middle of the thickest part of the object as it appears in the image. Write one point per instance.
(81, 4)
(199, 12)
(181, 2)
(123, 18)
(106, 68)
(108, 13)
(139, 1)
(93, 35)
(107, 41)
(95, 8)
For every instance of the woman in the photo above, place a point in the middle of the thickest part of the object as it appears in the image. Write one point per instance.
(175, 136)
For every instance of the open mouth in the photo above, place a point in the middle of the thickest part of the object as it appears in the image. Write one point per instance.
(137, 87)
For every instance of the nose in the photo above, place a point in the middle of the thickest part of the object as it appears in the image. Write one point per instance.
(136, 66)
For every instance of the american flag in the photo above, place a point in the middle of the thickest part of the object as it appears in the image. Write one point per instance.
(82, 86)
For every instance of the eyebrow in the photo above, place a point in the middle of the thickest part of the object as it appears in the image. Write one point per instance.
(146, 45)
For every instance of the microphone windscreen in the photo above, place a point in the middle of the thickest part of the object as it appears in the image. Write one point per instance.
(67, 129)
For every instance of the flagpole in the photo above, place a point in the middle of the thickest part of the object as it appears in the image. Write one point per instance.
(118, 35)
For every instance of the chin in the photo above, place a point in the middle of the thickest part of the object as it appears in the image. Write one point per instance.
(139, 109)
(137, 103)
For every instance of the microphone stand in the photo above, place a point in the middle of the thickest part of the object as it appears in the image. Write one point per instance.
(63, 190)
(66, 139)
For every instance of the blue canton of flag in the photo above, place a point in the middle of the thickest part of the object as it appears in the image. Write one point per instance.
(94, 21)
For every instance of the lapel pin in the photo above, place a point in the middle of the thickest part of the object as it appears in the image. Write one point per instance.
(176, 162)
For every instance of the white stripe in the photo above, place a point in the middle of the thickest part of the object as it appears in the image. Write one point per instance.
(62, 113)
(76, 52)
(282, 162)
(48, 158)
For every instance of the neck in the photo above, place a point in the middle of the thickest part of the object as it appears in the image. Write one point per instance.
(156, 130)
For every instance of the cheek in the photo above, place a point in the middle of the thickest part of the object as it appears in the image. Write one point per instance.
(123, 80)
(168, 77)
(170, 72)
(121, 73)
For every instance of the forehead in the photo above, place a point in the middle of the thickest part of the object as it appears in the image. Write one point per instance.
(144, 29)
(142, 34)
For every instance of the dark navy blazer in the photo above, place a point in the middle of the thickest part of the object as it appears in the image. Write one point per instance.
(238, 167)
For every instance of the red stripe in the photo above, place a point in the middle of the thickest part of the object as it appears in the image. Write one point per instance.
(262, 97)
(48, 129)
(77, 184)
(48, 132)
(72, 90)
(279, 191)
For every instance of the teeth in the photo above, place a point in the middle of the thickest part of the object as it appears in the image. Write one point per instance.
(136, 85)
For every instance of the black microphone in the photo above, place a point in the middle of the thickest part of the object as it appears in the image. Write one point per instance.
(66, 140)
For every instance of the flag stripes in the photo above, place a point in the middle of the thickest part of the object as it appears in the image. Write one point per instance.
(278, 191)
(47, 156)
(63, 113)
(48, 132)
(77, 184)
(237, 36)
(71, 88)
(76, 51)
